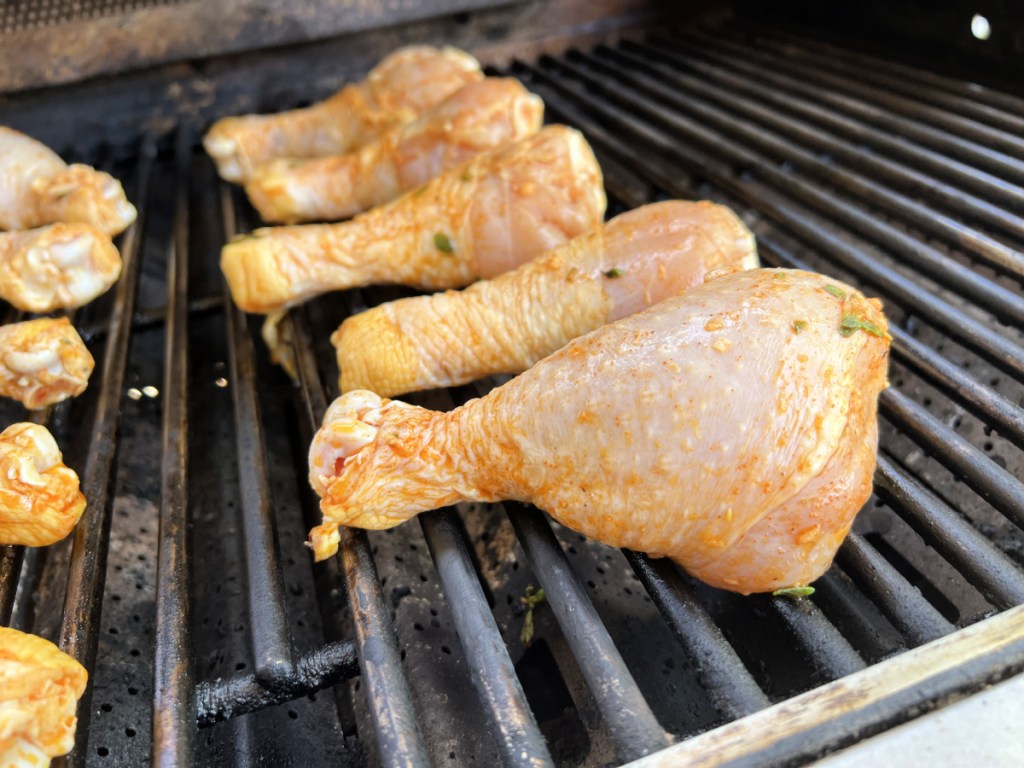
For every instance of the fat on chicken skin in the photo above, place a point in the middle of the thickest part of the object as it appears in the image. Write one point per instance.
(61, 266)
(494, 213)
(507, 324)
(732, 429)
(37, 188)
(40, 686)
(482, 116)
(40, 501)
(43, 362)
(400, 88)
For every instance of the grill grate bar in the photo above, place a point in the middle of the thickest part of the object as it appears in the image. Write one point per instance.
(899, 600)
(494, 676)
(731, 687)
(88, 563)
(951, 120)
(792, 136)
(399, 740)
(972, 333)
(639, 98)
(634, 729)
(984, 565)
(174, 704)
(907, 83)
(990, 481)
(11, 559)
(829, 651)
(271, 643)
(932, 149)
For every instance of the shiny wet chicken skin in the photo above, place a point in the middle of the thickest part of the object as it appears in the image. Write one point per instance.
(507, 324)
(40, 501)
(39, 691)
(60, 266)
(400, 88)
(499, 210)
(38, 188)
(43, 362)
(482, 116)
(732, 429)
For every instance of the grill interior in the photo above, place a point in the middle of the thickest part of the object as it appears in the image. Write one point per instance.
(187, 590)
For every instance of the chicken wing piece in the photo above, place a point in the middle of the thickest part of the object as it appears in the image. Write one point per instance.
(732, 428)
(62, 266)
(40, 686)
(497, 211)
(39, 497)
(37, 188)
(43, 362)
(507, 324)
(401, 87)
(482, 116)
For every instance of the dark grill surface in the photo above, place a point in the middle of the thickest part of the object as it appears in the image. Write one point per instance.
(189, 568)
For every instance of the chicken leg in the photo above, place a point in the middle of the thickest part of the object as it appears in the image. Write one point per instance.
(507, 324)
(43, 362)
(732, 429)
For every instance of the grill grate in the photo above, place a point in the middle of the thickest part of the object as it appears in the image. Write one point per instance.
(18, 15)
(907, 182)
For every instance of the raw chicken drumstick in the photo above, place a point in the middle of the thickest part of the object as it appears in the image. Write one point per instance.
(507, 324)
(497, 211)
(732, 429)
(39, 497)
(40, 686)
(43, 362)
(62, 266)
(482, 116)
(37, 188)
(401, 87)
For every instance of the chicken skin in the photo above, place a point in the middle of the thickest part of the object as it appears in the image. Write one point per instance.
(43, 362)
(40, 686)
(400, 88)
(62, 266)
(480, 117)
(732, 429)
(39, 497)
(494, 213)
(37, 188)
(507, 324)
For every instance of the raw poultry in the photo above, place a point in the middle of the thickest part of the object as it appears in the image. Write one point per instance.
(43, 362)
(496, 212)
(507, 324)
(482, 116)
(37, 188)
(732, 429)
(401, 87)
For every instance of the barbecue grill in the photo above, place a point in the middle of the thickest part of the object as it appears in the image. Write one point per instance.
(186, 591)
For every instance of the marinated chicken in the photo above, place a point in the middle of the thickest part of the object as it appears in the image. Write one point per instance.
(39, 497)
(43, 362)
(400, 88)
(37, 188)
(62, 266)
(507, 324)
(732, 429)
(492, 214)
(480, 117)
(40, 686)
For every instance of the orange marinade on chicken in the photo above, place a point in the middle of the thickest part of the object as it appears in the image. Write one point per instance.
(40, 686)
(39, 497)
(482, 116)
(43, 362)
(507, 324)
(37, 188)
(400, 88)
(494, 213)
(732, 429)
(61, 266)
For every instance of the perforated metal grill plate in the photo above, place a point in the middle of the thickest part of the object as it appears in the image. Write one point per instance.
(18, 15)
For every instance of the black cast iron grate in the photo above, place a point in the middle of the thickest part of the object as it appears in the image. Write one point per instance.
(187, 587)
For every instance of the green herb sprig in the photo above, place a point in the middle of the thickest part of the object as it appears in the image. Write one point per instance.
(851, 324)
(443, 243)
(532, 599)
(794, 592)
(839, 293)
(613, 273)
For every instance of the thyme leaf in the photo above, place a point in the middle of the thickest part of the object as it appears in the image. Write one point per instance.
(531, 600)
(837, 292)
(794, 592)
(443, 243)
(852, 323)
(799, 326)
(613, 273)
